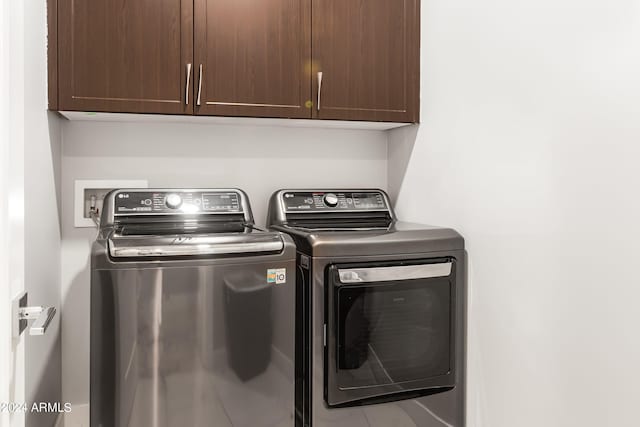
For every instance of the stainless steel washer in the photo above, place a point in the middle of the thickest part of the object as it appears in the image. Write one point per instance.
(192, 313)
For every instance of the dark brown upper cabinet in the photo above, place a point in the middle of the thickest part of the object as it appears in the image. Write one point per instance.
(253, 58)
(367, 52)
(125, 55)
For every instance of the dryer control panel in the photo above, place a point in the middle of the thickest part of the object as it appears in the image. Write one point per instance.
(334, 201)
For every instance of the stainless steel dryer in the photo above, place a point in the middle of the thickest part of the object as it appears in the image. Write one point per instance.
(192, 313)
(382, 337)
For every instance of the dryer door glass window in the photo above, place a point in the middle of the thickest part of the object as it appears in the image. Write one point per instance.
(393, 333)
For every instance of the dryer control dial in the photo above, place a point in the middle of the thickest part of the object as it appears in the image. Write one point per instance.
(330, 200)
(173, 201)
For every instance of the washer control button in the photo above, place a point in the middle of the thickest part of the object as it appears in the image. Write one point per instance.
(330, 200)
(173, 201)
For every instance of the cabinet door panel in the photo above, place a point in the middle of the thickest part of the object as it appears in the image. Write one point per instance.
(368, 53)
(255, 57)
(125, 55)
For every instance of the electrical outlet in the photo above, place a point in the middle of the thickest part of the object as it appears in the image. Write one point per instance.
(89, 192)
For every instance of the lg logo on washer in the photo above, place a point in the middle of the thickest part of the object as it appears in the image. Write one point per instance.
(277, 276)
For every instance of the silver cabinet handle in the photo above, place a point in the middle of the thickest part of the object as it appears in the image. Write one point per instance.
(319, 89)
(199, 85)
(186, 90)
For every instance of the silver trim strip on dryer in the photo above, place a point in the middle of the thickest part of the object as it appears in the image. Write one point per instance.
(394, 273)
(180, 245)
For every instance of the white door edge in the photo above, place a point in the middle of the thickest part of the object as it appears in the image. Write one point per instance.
(12, 112)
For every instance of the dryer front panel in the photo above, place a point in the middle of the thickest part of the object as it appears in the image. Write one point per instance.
(389, 330)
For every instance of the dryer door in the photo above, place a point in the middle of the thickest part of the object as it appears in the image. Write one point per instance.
(389, 331)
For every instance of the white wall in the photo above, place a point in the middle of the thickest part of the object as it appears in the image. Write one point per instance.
(42, 144)
(258, 159)
(529, 146)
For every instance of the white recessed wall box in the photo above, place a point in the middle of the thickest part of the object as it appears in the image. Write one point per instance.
(90, 192)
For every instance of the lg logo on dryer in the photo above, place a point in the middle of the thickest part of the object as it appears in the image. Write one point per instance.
(277, 275)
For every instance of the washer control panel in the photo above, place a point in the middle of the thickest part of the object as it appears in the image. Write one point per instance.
(176, 202)
(334, 201)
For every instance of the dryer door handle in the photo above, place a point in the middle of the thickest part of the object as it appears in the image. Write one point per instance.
(394, 273)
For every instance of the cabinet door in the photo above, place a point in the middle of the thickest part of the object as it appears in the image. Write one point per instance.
(125, 55)
(368, 53)
(255, 57)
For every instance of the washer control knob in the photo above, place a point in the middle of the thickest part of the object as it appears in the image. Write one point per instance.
(330, 200)
(173, 201)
